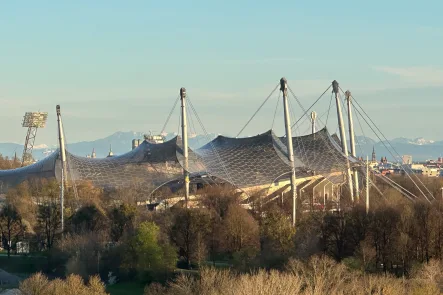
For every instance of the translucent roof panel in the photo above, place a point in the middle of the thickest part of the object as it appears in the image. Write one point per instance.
(246, 162)
(243, 162)
(44, 168)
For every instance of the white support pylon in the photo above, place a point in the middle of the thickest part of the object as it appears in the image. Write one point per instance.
(63, 164)
(367, 184)
(313, 121)
(352, 142)
(185, 143)
(284, 90)
(344, 143)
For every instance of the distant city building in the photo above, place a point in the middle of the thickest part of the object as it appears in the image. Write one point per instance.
(93, 155)
(136, 143)
(406, 160)
(111, 154)
(373, 162)
(154, 138)
(431, 172)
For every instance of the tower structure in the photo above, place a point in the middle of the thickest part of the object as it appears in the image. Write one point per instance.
(367, 185)
(32, 121)
(374, 157)
(344, 143)
(93, 155)
(110, 154)
(352, 141)
(284, 90)
(313, 121)
(185, 143)
(63, 163)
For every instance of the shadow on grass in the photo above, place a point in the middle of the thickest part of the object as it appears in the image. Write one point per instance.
(129, 288)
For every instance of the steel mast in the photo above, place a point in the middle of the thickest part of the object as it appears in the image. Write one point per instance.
(352, 141)
(344, 143)
(313, 121)
(367, 184)
(284, 90)
(63, 164)
(185, 144)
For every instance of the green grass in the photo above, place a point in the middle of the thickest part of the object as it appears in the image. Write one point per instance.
(8, 287)
(218, 264)
(129, 288)
(22, 264)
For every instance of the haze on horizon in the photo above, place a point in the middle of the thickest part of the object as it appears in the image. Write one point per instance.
(113, 66)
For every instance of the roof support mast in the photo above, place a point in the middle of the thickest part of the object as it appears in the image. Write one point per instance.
(352, 140)
(185, 143)
(343, 140)
(284, 90)
(63, 162)
(367, 185)
(313, 121)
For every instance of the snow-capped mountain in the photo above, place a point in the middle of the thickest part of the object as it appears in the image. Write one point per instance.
(121, 142)
(363, 140)
(416, 141)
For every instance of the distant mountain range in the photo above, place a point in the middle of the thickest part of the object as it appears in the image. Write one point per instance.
(120, 142)
(419, 148)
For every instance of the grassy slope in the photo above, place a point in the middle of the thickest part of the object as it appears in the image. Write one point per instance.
(129, 288)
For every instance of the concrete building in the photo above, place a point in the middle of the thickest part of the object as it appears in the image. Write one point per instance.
(406, 160)
(136, 143)
(430, 172)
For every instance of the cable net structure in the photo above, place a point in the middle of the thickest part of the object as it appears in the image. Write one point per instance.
(246, 162)
(243, 162)
(251, 162)
(44, 169)
(148, 166)
(322, 155)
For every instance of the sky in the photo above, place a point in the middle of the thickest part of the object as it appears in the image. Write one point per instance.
(119, 65)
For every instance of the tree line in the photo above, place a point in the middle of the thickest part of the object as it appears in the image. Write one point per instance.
(9, 163)
(114, 238)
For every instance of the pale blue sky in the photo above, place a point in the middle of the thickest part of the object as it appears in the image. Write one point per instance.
(118, 65)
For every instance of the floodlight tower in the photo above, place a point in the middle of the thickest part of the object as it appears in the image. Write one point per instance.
(344, 144)
(185, 143)
(284, 90)
(352, 140)
(33, 121)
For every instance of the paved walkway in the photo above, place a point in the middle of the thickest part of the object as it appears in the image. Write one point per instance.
(11, 292)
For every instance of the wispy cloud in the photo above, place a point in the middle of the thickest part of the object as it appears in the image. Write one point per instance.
(417, 76)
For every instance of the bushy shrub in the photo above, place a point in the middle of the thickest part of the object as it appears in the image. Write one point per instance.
(38, 284)
(320, 275)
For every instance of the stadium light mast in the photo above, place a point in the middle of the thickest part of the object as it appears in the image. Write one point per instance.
(313, 121)
(284, 90)
(185, 143)
(344, 143)
(33, 121)
(63, 162)
(352, 141)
